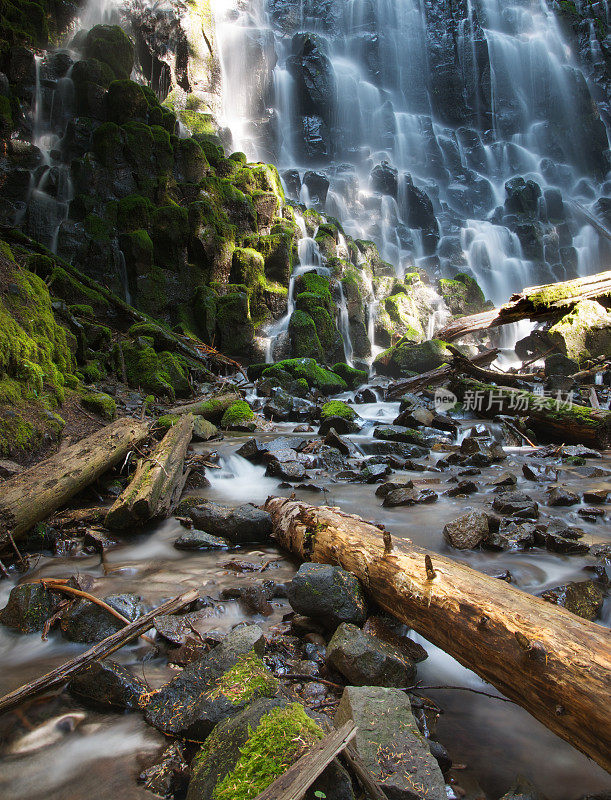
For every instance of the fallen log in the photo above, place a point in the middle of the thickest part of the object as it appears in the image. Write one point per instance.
(434, 377)
(295, 782)
(157, 482)
(465, 365)
(36, 493)
(104, 648)
(552, 419)
(536, 303)
(553, 663)
(212, 408)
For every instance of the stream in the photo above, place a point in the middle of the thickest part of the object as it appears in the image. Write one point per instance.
(57, 748)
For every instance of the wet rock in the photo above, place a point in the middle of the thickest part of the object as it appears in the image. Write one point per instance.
(398, 433)
(522, 789)
(415, 418)
(596, 496)
(241, 524)
(365, 395)
(199, 540)
(602, 552)
(516, 504)
(303, 429)
(88, 622)
(333, 439)
(29, 607)
(204, 430)
(539, 474)
(565, 541)
(97, 541)
(366, 661)
(481, 453)
(373, 473)
(254, 598)
(106, 683)
(169, 774)
(462, 488)
(390, 744)
(504, 479)
(209, 690)
(441, 755)
(286, 470)
(468, 531)
(339, 424)
(390, 486)
(177, 628)
(389, 630)
(513, 536)
(318, 185)
(584, 598)
(398, 449)
(559, 496)
(559, 364)
(383, 179)
(591, 514)
(328, 594)
(409, 497)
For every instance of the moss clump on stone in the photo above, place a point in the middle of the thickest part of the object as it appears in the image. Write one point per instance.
(126, 101)
(100, 403)
(304, 338)
(585, 332)
(317, 377)
(279, 739)
(336, 408)
(248, 679)
(111, 45)
(165, 422)
(353, 377)
(239, 414)
(406, 356)
(164, 374)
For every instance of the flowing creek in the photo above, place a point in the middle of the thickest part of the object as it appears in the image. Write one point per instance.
(59, 749)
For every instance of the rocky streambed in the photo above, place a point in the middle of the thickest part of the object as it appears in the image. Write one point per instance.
(268, 634)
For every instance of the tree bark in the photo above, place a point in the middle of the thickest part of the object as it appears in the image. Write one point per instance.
(433, 377)
(537, 302)
(157, 482)
(36, 493)
(551, 419)
(554, 664)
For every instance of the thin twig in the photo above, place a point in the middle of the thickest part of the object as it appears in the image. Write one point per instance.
(461, 689)
(295, 676)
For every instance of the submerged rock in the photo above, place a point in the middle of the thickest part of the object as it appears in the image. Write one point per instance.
(239, 524)
(390, 744)
(365, 660)
(328, 594)
(516, 504)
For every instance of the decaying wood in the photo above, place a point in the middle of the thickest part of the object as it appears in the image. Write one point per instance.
(535, 303)
(157, 483)
(104, 648)
(552, 419)
(434, 377)
(36, 493)
(462, 364)
(295, 782)
(205, 408)
(553, 663)
(363, 774)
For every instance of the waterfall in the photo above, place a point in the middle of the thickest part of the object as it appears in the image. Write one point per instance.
(418, 138)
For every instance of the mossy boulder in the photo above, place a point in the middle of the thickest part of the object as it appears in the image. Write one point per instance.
(162, 374)
(29, 606)
(111, 45)
(304, 338)
(585, 332)
(204, 312)
(462, 294)
(239, 417)
(407, 356)
(100, 403)
(170, 234)
(92, 70)
(192, 160)
(403, 316)
(336, 408)
(317, 377)
(353, 377)
(234, 323)
(126, 101)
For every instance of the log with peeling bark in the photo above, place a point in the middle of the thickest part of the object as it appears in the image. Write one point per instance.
(104, 648)
(551, 418)
(434, 377)
(36, 493)
(536, 303)
(212, 408)
(554, 664)
(157, 482)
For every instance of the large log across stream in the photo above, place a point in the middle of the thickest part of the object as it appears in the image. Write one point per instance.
(535, 303)
(554, 664)
(36, 493)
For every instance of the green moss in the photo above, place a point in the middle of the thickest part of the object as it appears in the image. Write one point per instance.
(100, 403)
(317, 377)
(126, 101)
(163, 374)
(107, 144)
(111, 45)
(248, 679)
(234, 323)
(166, 421)
(336, 408)
(353, 377)
(304, 338)
(17, 435)
(238, 414)
(280, 738)
(263, 177)
(93, 372)
(193, 160)
(170, 232)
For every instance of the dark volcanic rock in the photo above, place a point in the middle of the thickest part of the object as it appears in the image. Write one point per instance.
(239, 524)
(367, 661)
(409, 497)
(106, 683)
(328, 594)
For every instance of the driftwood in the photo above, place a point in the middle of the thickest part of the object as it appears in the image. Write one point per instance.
(552, 419)
(104, 648)
(157, 483)
(462, 364)
(36, 493)
(434, 377)
(294, 783)
(212, 408)
(535, 303)
(553, 663)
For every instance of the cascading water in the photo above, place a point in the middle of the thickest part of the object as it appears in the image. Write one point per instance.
(419, 113)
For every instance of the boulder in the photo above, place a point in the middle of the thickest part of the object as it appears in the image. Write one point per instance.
(559, 496)
(106, 683)
(239, 524)
(199, 540)
(584, 598)
(398, 433)
(88, 622)
(513, 536)
(390, 744)
(408, 356)
(409, 497)
(516, 504)
(366, 661)
(468, 531)
(584, 332)
(328, 594)
(29, 606)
